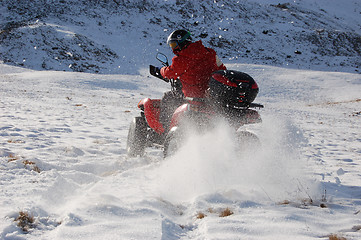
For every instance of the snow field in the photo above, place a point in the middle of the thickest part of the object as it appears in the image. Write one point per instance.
(63, 135)
(73, 128)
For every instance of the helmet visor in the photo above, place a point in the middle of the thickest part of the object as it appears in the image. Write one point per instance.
(173, 44)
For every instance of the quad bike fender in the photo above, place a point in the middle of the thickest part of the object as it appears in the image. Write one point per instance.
(151, 108)
(178, 114)
(252, 116)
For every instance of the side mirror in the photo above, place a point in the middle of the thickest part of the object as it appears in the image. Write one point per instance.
(163, 59)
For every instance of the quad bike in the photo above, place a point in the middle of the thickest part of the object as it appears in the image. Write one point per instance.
(230, 96)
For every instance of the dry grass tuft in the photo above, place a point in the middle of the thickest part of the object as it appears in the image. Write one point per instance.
(25, 221)
(32, 166)
(211, 210)
(200, 215)
(225, 213)
(15, 141)
(285, 202)
(13, 157)
(221, 212)
(335, 237)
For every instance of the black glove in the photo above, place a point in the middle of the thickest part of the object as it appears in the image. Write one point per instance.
(155, 71)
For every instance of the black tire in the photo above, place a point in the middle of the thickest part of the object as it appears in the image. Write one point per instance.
(137, 137)
(171, 143)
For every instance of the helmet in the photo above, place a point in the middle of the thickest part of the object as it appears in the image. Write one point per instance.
(232, 89)
(179, 39)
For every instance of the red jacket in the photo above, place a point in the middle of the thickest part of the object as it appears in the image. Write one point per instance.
(193, 66)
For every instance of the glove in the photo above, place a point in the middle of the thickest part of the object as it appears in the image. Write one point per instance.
(155, 71)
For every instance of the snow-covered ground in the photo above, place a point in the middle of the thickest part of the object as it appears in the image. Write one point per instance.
(63, 161)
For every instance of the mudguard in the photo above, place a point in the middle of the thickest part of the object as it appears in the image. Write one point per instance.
(151, 108)
(178, 114)
(251, 117)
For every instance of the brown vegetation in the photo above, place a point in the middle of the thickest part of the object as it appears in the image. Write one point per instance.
(335, 237)
(200, 215)
(225, 213)
(13, 157)
(25, 221)
(32, 166)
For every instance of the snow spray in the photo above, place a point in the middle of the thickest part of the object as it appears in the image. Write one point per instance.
(212, 163)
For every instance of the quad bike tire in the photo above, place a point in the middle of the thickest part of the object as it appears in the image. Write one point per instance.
(172, 142)
(137, 137)
(247, 140)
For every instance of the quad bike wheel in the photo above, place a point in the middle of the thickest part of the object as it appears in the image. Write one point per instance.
(137, 137)
(247, 140)
(172, 142)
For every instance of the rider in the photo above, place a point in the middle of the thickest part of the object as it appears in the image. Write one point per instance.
(192, 65)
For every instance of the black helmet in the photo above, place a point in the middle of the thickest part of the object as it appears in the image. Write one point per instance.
(232, 89)
(178, 39)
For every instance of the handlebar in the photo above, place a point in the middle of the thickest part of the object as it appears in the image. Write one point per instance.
(256, 105)
(154, 71)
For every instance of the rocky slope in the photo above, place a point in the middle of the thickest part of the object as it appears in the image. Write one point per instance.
(109, 36)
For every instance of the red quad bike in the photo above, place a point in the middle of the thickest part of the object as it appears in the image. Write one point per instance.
(230, 96)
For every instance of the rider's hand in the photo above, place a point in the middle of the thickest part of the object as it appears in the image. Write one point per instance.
(155, 71)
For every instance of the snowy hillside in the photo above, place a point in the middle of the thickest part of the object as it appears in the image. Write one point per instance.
(122, 36)
(64, 173)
